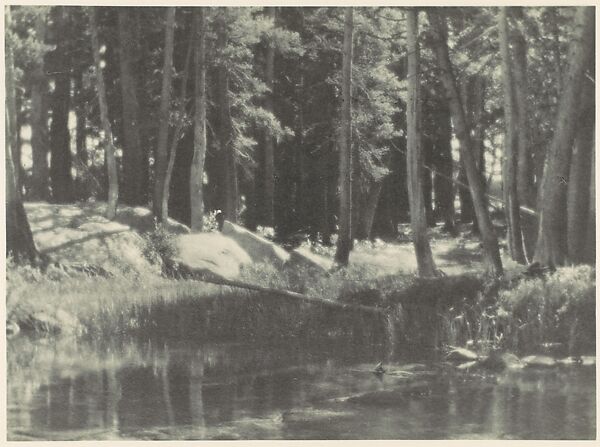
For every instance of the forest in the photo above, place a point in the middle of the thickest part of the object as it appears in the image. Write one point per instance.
(314, 121)
(300, 222)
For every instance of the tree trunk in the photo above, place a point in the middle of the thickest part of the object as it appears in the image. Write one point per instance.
(525, 185)
(39, 122)
(109, 149)
(177, 136)
(551, 246)
(414, 161)
(160, 159)
(488, 236)
(19, 240)
(442, 182)
(60, 162)
(134, 192)
(590, 246)
(511, 198)
(269, 171)
(197, 170)
(344, 242)
(467, 213)
(578, 189)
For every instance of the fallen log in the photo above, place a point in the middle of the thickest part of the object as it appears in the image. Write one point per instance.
(212, 278)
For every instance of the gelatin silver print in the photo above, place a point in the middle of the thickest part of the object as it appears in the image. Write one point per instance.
(301, 223)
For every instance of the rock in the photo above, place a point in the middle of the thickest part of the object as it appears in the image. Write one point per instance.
(588, 360)
(467, 365)
(538, 361)
(461, 355)
(259, 249)
(211, 252)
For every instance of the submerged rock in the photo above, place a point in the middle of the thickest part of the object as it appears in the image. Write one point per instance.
(461, 355)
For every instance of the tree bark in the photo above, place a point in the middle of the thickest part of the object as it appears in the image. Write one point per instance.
(488, 236)
(19, 239)
(511, 198)
(578, 189)
(109, 149)
(134, 192)
(160, 159)
(525, 186)
(551, 246)
(60, 161)
(39, 122)
(590, 246)
(344, 242)
(269, 171)
(418, 219)
(197, 170)
(369, 203)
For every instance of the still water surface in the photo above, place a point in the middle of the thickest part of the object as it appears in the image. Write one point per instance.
(65, 390)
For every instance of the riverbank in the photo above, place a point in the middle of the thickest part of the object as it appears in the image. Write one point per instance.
(521, 314)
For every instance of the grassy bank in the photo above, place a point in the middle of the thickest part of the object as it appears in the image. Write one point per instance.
(518, 314)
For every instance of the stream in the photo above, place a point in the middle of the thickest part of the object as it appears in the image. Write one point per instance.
(65, 389)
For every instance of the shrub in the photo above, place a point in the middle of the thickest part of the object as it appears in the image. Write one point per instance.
(159, 245)
(557, 309)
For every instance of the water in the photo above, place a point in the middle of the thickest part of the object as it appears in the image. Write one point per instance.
(69, 390)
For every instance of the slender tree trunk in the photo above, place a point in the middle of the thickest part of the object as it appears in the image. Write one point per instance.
(197, 170)
(109, 149)
(19, 239)
(179, 130)
(578, 189)
(467, 213)
(488, 236)
(551, 247)
(442, 182)
(525, 185)
(39, 122)
(418, 219)
(590, 246)
(228, 156)
(344, 242)
(269, 171)
(511, 199)
(133, 157)
(160, 159)
(60, 163)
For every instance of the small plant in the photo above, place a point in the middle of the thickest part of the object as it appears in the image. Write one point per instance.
(210, 224)
(159, 245)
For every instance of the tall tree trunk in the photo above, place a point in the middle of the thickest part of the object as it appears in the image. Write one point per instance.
(442, 182)
(269, 171)
(578, 189)
(60, 161)
(344, 242)
(418, 219)
(109, 149)
(178, 133)
(551, 247)
(134, 192)
(511, 199)
(19, 240)
(197, 170)
(39, 122)
(228, 156)
(590, 246)
(525, 185)
(488, 236)
(160, 159)
(467, 213)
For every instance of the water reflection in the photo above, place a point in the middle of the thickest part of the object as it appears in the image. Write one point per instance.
(70, 390)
